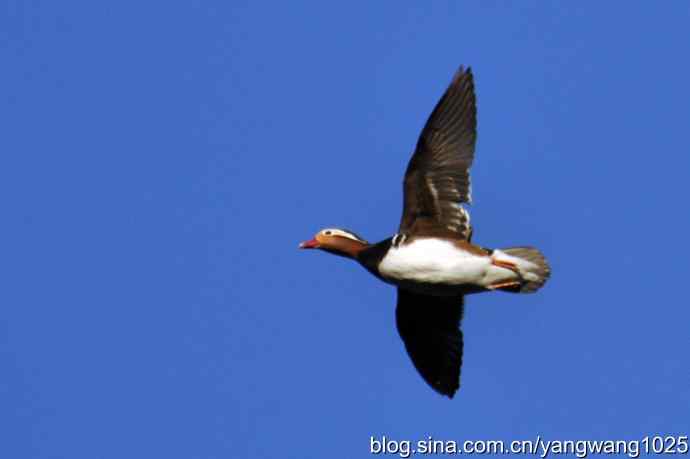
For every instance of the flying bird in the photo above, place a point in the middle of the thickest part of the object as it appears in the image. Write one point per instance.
(431, 259)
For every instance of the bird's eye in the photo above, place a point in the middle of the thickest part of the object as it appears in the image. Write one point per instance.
(328, 233)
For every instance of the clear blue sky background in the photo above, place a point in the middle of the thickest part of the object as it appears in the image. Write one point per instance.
(161, 161)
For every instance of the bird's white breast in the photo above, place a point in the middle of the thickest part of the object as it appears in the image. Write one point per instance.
(433, 261)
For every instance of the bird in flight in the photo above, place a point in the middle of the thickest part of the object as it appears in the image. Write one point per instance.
(431, 259)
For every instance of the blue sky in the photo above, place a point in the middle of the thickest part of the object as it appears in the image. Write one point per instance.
(162, 160)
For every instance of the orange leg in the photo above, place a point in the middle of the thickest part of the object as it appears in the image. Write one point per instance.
(506, 265)
(504, 285)
(510, 266)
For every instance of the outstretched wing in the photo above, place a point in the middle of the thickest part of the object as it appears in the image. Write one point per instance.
(430, 328)
(437, 179)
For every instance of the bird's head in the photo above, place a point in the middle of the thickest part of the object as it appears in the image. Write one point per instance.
(336, 241)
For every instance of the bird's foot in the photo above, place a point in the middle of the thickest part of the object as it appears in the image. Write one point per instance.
(505, 264)
(505, 285)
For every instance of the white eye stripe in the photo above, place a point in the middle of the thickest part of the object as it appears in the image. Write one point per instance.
(341, 233)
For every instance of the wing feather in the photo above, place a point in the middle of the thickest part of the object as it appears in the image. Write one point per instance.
(430, 328)
(437, 179)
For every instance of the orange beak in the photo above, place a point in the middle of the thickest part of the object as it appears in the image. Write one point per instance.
(313, 244)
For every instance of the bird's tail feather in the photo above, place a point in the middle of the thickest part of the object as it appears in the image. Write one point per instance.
(533, 268)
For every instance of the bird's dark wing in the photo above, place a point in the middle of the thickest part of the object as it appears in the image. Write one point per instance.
(430, 328)
(437, 179)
